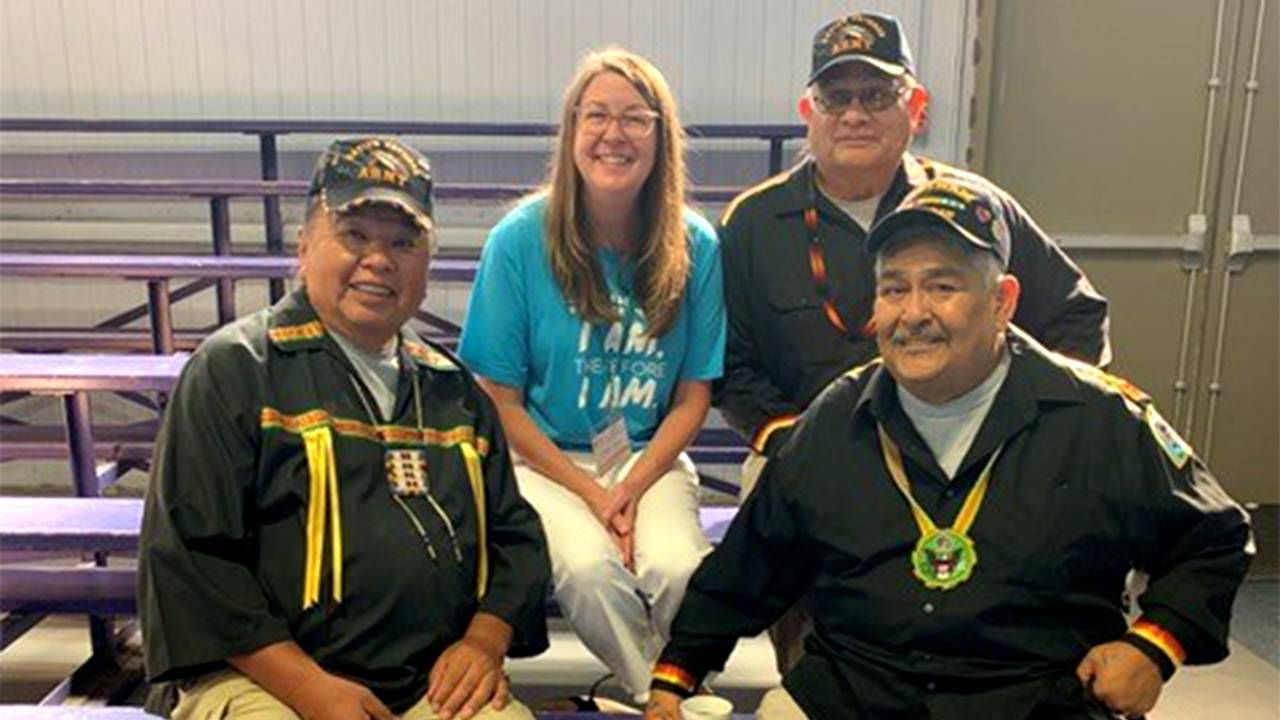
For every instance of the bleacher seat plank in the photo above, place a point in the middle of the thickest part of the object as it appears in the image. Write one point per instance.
(70, 524)
(77, 590)
(73, 712)
(110, 590)
(164, 267)
(71, 187)
(120, 443)
(66, 373)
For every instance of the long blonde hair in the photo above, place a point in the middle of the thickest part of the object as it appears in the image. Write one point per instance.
(662, 254)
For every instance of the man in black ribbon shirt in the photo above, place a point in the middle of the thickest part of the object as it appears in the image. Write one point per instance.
(965, 510)
(333, 529)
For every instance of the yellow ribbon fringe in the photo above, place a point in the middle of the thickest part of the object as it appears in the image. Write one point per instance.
(322, 499)
(476, 475)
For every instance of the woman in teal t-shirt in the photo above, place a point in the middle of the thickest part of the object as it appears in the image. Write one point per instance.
(597, 325)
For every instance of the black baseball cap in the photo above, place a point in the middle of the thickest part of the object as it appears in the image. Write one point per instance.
(872, 38)
(965, 208)
(356, 171)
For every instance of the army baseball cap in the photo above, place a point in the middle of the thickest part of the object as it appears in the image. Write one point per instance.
(964, 208)
(872, 38)
(356, 171)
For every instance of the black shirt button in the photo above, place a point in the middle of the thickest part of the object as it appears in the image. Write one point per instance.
(927, 608)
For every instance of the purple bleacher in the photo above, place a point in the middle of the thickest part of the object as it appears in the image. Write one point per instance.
(762, 131)
(163, 267)
(73, 712)
(112, 524)
(80, 373)
(100, 339)
(85, 589)
(63, 374)
(73, 377)
(69, 524)
(126, 443)
(115, 524)
(267, 131)
(134, 443)
(200, 189)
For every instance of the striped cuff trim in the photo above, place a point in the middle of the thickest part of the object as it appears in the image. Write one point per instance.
(675, 678)
(1161, 638)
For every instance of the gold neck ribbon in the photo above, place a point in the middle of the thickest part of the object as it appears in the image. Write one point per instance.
(322, 500)
(942, 558)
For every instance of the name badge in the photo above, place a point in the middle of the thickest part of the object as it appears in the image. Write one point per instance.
(610, 447)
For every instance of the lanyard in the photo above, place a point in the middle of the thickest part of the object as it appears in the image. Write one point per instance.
(943, 557)
(818, 259)
(406, 470)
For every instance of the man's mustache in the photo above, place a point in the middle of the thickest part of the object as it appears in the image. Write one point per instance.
(920, 333)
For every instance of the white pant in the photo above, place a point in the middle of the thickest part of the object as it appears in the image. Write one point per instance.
(623, 618)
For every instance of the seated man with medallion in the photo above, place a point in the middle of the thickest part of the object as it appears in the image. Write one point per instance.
(965, 510)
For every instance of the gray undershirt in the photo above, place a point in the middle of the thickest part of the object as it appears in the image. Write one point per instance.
(950, 428)
(862, 212)
(379, 371)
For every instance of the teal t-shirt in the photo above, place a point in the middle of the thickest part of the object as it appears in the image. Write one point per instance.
(521, 331)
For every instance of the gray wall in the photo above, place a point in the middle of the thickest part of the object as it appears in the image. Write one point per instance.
(1094, 117)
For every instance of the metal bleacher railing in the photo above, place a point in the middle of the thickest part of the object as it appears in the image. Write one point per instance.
(222, 271)
(269, 131)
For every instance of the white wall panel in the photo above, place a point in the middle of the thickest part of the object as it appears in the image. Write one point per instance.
(468, 60)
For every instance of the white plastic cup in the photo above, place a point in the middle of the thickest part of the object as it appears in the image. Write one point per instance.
(706, 707)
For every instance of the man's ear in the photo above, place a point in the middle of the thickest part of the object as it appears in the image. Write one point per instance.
(304, 246)
(805, 107)
(1008, 290)
(918, 109)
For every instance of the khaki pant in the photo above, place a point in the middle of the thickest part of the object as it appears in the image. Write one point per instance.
(229, 695)
(777, 704)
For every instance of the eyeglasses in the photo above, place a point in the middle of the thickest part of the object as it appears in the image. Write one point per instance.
(632, 123)
(872, 98)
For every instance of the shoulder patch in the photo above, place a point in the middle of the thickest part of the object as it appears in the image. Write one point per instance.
(751, 192)
(1167, 438)
(1097, 376)
(286, 334)
(433, 359)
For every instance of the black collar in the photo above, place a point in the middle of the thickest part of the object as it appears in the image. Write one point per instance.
(799, 190)
(1036, 378)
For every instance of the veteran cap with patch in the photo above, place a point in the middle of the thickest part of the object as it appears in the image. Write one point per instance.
(872, 38)
(965, 208)
(355, 171)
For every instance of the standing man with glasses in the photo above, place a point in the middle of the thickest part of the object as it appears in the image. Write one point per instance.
(798, 278)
